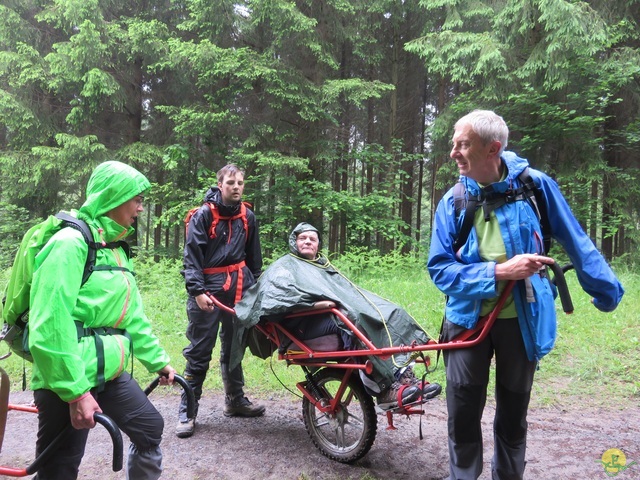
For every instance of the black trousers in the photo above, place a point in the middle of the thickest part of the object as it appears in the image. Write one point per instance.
(467, 380)
(124, 401)
(202, 333)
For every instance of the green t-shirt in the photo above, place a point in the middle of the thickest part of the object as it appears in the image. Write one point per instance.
(491, 248)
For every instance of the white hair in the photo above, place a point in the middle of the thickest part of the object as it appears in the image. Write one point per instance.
(488, 125)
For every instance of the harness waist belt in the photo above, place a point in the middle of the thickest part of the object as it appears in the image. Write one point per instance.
(236, 267)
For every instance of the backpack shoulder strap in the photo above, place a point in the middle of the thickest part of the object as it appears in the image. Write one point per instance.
(245, 220)
(70, 221)
(187, 219)
(536, 199)
(528, 191)
(463, 202)
(83, 228)
(459, 197)
(216, 217)
(90, 265)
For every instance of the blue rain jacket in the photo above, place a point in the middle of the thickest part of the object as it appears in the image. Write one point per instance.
(467, 280)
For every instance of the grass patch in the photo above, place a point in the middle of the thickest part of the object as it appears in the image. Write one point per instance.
(597, 355)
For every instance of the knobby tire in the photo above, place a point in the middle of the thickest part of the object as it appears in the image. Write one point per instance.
(348, 434)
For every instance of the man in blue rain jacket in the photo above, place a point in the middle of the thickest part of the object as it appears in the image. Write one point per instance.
(505, 243)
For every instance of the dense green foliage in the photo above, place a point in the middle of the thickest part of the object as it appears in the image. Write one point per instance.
(340, 111)
(597, 355)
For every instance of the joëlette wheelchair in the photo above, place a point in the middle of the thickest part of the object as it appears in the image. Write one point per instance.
(339, 415)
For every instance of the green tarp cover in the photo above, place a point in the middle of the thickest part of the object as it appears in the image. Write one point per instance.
(292, 283)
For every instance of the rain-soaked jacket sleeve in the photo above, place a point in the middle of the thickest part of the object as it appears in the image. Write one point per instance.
(253, 249)
(146, 345)
(475, 280)
(53, 339)
(594, 273)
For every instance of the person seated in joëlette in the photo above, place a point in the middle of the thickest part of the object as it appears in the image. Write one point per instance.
(305, 279)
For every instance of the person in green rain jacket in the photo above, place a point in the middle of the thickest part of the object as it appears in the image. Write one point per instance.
(73, 328)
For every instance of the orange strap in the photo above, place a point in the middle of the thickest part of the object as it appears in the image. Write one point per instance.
(217, 217)
(236, 267)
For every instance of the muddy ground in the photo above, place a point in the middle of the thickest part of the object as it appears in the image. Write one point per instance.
(565, 442)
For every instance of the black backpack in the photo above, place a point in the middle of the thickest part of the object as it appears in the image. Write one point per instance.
(490, 200)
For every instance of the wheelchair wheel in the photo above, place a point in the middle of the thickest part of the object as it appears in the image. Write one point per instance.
(348, 433)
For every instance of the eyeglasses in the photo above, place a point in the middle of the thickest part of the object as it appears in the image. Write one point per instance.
(139, 200)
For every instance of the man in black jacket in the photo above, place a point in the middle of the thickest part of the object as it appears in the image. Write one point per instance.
(222, 258)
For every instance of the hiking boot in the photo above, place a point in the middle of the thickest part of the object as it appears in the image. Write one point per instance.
(186, 429)
(408, 377)
(242, 407)
(429, 390)
(388, 398)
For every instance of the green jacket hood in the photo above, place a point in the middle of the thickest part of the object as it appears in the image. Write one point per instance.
(111, 184)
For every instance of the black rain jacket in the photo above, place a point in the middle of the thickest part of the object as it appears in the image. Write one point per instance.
(231, 245)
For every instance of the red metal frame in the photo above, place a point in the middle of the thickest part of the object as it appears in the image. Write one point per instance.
(11, 471)
(22, 408)
(464, 340)
(334, 404)
(106, 422)
(50, 450)
(348, 359)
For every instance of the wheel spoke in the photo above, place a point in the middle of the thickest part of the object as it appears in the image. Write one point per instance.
(340, 437)
(355, 421)
(321, 421)
(348, 398)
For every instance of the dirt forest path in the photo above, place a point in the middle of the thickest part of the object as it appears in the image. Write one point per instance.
(564, 443)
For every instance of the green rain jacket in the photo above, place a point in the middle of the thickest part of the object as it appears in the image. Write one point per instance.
(110, 298)
(293, 283)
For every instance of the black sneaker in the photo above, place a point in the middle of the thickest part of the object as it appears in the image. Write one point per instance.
(242, 407)
(389, 398)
